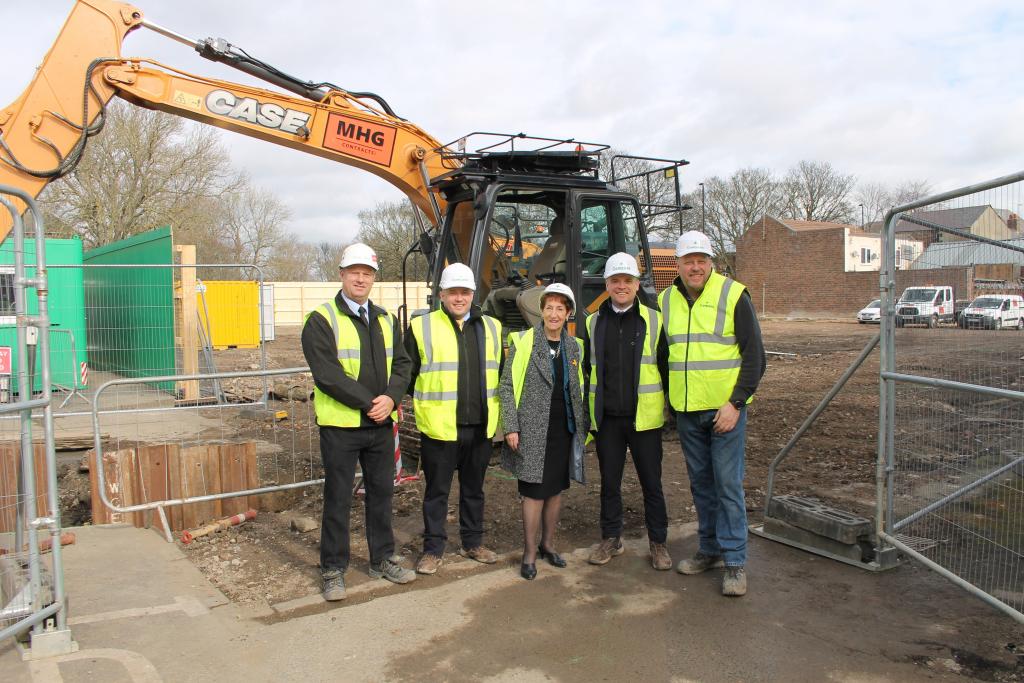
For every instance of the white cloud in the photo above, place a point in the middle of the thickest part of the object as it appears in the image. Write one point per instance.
(888, 91)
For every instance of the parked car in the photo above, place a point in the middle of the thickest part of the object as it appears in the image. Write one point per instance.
(994, 312)
(872, 313)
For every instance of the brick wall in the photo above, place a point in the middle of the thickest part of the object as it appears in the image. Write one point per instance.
(801, 273)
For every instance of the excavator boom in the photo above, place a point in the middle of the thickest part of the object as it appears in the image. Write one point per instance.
(44, 132)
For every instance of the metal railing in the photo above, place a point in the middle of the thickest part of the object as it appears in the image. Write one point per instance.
(33, 598)
(950, 468)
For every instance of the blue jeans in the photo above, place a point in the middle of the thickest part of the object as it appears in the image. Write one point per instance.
(715, 465)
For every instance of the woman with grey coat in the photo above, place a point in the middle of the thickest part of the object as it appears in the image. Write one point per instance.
(545, 422)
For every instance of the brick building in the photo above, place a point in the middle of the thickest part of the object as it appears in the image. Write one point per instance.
(799, 268)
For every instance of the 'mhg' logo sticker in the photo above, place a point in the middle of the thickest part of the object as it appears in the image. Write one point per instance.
(362, 139)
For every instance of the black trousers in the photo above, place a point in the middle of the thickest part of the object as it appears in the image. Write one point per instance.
(470, 455)
(374, 449)
(615, 435)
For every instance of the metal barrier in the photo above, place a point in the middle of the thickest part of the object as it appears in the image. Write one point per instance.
(951, 445)
(32, 597)
(160, 505)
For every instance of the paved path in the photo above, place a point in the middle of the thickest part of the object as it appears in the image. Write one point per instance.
(142, 612)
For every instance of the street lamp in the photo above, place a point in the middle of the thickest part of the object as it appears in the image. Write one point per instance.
(703, 222)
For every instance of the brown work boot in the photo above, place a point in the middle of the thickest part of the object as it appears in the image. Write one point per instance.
(480, 554)
(606, 550)
(734, 581)
(429, 564)
(699, 563)
(660, 559)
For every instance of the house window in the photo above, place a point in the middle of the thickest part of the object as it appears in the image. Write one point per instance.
(907, 251)
(7, 311)
(865, 255)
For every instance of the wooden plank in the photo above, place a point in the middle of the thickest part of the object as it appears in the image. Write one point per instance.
(8, 487)
(211, 483)
(194, 462)
(189, 321)
(113, 488)
(252, 473)
(128, 477)
(152, 461)
(232, 476)
(174, 513)
(41, 477)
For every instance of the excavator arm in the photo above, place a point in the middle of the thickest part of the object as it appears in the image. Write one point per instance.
(44, 132)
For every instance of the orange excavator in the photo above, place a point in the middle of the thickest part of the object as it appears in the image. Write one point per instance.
(521, 211)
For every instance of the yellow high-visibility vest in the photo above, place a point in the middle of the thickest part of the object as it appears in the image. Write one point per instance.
(523, 342)
(436, 392)
(332, 413)
(703, 356)
(650, 395)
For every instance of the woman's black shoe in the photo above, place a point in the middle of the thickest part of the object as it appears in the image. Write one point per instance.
(553, 558)
(528, 571)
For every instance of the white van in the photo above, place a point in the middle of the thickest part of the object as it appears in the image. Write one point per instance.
(929, 306)
(994, 311)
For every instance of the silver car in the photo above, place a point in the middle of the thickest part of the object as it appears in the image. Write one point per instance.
(872, 313)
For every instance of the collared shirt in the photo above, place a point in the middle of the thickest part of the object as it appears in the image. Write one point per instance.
(621, 310)
(354, 305)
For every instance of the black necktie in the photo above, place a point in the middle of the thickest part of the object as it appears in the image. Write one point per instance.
(362, 316)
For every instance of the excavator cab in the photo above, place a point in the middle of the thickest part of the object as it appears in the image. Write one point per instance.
(524, 219)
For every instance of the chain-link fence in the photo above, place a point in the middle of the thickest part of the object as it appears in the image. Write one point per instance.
(952, 392)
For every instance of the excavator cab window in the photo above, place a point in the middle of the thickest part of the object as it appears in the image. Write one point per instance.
(527, 241)
(607, 226)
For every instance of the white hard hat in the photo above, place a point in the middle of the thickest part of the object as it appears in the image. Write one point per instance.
(621, 264)
(458, 275)
(693, 242)
(359, 254)
(559, 288)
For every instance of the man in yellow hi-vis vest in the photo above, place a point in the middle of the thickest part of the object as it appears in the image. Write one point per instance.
(360, 372)
(456, 357)
(623, 345)
(715, 362)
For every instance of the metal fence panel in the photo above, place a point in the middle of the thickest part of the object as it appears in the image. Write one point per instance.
(952, 417)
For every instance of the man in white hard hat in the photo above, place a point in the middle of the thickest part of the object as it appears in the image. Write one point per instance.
(360, 372)
(622, 348)
(456, 356)
(715, 360)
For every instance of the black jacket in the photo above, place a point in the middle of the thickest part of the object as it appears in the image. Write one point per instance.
(471, 407)
(614, 395)
(321, 354)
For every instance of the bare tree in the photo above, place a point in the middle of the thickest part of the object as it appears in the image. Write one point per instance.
(292, 261)
(814, 191)
(326, 257)
(252, 225)
(391, 228)
(877, 198)
(733, 204)
(655, 191)
(144, 170)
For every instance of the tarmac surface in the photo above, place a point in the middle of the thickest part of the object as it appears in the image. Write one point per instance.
(140, 611)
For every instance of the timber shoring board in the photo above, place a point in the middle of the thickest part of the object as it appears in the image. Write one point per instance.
(152, 472)
(10, 467)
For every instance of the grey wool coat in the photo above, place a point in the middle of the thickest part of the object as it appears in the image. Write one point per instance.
(531, 417)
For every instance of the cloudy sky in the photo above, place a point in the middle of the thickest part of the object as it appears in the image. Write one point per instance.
(889, 91)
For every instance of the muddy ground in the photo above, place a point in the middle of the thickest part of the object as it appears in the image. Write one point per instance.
(266, 561)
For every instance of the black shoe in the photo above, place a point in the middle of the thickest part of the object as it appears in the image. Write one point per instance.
(528, 571)
(553, 558)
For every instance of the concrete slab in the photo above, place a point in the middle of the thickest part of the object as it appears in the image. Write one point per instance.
(141, 612)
